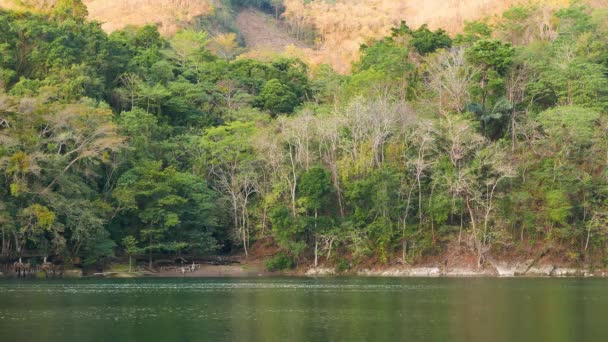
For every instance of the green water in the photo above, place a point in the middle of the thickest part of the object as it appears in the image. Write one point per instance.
(294, 309)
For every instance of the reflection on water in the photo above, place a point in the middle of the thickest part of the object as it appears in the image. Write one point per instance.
(292, 309)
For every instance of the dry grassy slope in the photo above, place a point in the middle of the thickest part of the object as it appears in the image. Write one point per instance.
(261, 31)
(344, 25)
(116, 14)
(168, 14)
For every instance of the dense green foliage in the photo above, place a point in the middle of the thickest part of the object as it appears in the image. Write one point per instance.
(495, 141)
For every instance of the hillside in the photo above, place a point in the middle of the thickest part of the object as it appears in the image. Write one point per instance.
(338, 28)
(343, 25)
(168, 14)
(466, 152)
(116, 14)
(263, 33)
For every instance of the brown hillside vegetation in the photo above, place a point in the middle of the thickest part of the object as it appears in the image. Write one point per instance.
(340, 26)
(169, 15)
(262, 32)
(343, 25)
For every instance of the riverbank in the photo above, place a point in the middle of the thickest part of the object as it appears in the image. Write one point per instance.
(249, 271)
(462, 264)
(423, 271)
(256, 269)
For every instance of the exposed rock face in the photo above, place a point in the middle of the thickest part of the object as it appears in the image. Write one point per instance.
(469, 272)
(540, 271)
(568, 272)
(502, 269)
(506, 269)
(403, 272)
(72, 273)
(320, 271)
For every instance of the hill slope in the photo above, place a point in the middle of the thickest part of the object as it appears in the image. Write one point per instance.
(167, 14)
(340, 26)
(343, 25)
(116, 14)
(262, 32)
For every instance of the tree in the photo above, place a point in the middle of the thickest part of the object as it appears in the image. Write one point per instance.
(188, 46)
(315, 188)
(450, 77)
(36, 222)
(472, 32)
(173, 211)
(519, 25)
(229, 163)
(492, 58)
(287, 230)
(225, 46)
(70, 9)
(277, 98)
(129, 243)
(569, 125)
(426, 41)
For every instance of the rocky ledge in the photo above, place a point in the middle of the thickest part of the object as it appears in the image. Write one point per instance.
(524, 269)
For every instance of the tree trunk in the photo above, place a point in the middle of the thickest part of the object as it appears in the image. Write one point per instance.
(264, 213)
(588, 236)
(474, 226)
(4, 243)
(150, 254)
(245, 242)
(294, 184)
(419, 202)
(460, 230)
(316, 252)
(513, 135)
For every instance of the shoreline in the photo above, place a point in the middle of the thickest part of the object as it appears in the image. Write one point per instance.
(530, 268)
(210, 271)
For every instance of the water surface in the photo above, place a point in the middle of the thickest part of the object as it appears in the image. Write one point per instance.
(301, 309)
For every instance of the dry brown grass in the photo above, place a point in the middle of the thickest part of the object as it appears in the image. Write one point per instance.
(262, 32)
(342, 26)
(346, 24)
(169, 15)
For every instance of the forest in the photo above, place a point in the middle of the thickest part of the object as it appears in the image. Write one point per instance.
(493, 142)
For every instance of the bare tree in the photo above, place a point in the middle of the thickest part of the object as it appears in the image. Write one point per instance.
(478, 170)
(450, 77)
(131, 84)
(423, 138)
(329, 141)
(515, 84)
(80, 133)
(297, 137)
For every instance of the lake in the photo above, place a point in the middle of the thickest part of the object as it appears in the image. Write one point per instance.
(303, 309)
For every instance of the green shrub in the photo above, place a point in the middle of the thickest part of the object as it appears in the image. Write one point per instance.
(280, 262)
(342, 266)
